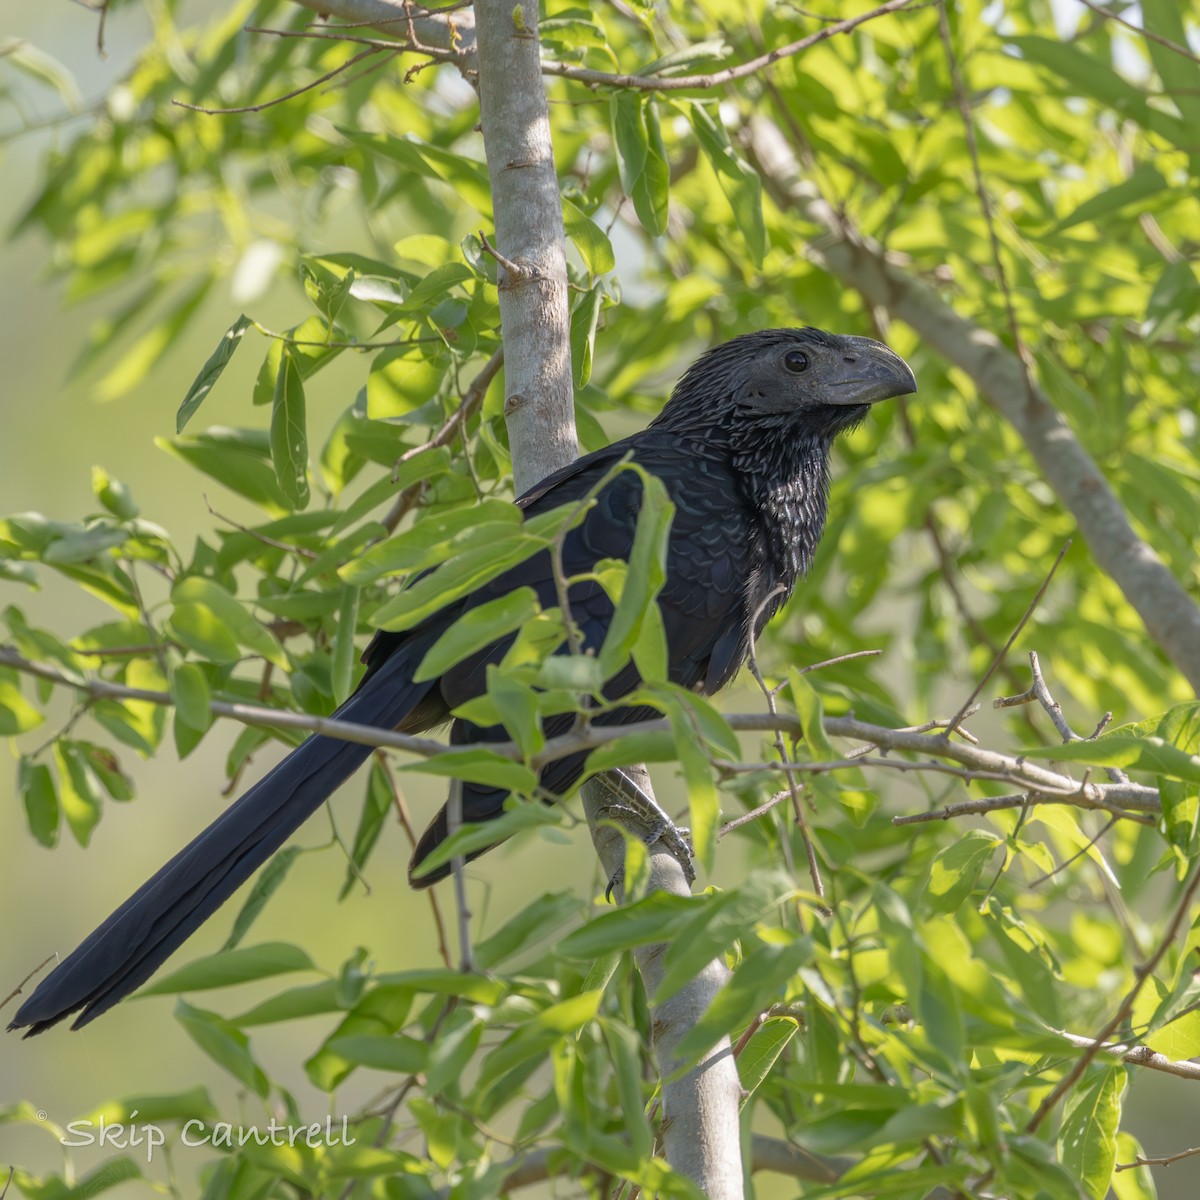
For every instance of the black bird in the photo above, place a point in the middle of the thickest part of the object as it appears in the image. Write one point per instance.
(742, 448)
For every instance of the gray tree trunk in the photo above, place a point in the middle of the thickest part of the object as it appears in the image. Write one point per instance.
(700, 1109)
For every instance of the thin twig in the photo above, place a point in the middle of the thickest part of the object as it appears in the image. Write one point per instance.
(516, 272)
(411, 11)
(962, 712)
(1091, 842)
(927, 727)
(472, 399)
(990, 804)
(307, 87)
(1040, 692)
(834, 662)
(454, 822)
(20, 986)
(1157, 1162)
(402, 814)
(1150, 35)
(257, 535)
(814, 868)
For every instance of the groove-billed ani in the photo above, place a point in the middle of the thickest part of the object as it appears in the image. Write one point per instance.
(742, 448)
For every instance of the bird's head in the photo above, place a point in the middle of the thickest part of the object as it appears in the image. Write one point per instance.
(780, 377)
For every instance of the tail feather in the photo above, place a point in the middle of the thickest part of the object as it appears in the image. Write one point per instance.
(140, 935)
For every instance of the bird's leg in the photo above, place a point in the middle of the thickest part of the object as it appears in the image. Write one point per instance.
(633, 803)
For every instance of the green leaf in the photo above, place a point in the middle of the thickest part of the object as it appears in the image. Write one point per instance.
(590, 240)
(645, 173)
(36, 783)
(402, 378)
(1137, 1184)
(231, 616)
(289, 434)
(236, 458)
(478, 765)
(1145, 181)
(218, 360)
(517, 704)
(200, 629)
(308, 344)
(1121, 749)
(739, 181)
(644, 578)
(955, 870)
(79, 792)
(762, 1051)
(530, 927)
(626, 1052)
(229, 967)
(343, 644)
(189, 688)
(583, 334)
(310, 1000)
(516, 819)
(467, 178)
(225, 1044)
(113, 494)
(657, 918)
(453, 580)
(812, 716)
(107, 769)
(434, 539)
(399, 1055)
(43, 67)
(715, 928)
(476, 629)
(758, 981)
(377, 805)
(17, 715)
(265, 886)
(1087, 1137)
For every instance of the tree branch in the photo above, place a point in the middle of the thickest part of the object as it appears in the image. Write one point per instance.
(1039, 784)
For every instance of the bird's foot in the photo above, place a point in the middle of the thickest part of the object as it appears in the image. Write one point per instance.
(633, 805)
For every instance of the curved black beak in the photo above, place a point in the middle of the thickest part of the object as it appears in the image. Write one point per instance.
(872, 372)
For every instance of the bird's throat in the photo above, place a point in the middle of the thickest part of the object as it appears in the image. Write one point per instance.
(785, 480)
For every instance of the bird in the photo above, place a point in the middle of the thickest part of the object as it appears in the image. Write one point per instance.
(742, 447)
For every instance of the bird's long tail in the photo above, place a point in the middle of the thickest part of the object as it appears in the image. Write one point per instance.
(130, 946)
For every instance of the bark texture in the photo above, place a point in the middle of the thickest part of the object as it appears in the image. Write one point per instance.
(700, 1109)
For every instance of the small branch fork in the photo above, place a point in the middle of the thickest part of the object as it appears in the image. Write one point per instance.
(1039, 692)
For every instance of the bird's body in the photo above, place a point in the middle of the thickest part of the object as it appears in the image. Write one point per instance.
(742, 449)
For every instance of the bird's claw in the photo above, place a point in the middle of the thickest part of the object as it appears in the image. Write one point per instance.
(638, 808)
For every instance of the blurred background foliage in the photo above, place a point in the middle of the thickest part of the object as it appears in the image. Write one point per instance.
(235, 545)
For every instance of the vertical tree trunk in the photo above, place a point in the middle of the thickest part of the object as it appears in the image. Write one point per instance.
(700, 1109)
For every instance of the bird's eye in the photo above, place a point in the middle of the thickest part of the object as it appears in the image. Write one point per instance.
(796, 361)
